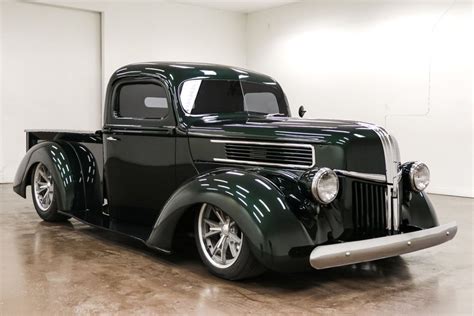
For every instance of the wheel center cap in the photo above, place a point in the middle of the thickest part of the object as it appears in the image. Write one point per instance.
(225, 229)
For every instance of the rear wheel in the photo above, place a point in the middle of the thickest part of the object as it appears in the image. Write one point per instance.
(44, 194)
(222, 246)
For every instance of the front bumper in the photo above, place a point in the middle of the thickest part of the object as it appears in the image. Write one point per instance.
(336, 255)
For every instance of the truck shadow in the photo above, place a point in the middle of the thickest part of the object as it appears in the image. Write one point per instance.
(383, 273)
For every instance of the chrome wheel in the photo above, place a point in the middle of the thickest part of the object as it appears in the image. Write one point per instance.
(43, 187)
(219, 236)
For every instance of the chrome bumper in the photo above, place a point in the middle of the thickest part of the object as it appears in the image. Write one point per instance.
(336, 255)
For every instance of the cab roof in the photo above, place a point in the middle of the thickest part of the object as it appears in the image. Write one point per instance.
(177, 72)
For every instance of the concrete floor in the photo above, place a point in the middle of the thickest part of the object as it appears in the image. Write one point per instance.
(74, 269)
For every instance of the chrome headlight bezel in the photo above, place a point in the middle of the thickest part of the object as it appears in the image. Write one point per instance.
(415, 168)
(324, 174)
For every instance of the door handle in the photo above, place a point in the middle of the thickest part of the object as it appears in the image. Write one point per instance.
(112, 138)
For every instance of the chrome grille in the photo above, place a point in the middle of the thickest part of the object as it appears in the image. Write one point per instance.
(268, 154)
(369, 209)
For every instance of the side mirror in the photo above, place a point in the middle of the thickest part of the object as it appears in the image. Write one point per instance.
(301, 111)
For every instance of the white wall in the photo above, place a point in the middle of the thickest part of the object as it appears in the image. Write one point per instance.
(404, 65)
(130, 33)
(2, 164)
(162, 31)
(358, 60)
(50, 75)
(172, 32)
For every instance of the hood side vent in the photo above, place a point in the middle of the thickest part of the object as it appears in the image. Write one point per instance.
(268, 154)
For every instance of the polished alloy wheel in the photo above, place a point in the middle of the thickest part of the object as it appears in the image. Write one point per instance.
(219, 236)
(43, 187)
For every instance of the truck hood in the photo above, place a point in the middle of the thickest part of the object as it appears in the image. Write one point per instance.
(285, 129)
(339, 144)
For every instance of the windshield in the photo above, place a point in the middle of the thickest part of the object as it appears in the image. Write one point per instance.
(208, 96)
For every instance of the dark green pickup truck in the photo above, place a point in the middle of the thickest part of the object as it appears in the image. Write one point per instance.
(213, 151)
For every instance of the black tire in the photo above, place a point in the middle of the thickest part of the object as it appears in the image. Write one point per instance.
(49, 214)
(245, 265)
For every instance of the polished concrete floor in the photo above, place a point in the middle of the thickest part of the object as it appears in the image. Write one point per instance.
(74, 269)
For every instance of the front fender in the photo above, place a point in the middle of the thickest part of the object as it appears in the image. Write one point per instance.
(253, 201)
(419, 211)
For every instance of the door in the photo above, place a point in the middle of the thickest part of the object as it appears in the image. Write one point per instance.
(139, 152)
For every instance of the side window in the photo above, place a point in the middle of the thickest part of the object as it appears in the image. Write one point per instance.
(142, 100)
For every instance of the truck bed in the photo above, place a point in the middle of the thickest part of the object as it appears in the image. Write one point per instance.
(92, 140)
(34, 136)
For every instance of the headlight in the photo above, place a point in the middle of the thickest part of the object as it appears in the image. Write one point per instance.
(419, 176)
(325, 185)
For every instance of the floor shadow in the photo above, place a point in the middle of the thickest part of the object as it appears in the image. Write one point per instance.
(386, 271)
(390, 270)
(65, 224)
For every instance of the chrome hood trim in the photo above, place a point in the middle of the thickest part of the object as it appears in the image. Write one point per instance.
(393, 175)
(268, 144)
(361, 175)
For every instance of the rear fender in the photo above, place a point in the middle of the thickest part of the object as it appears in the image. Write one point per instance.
(55, 158)
(253, 201)
(71, 171)
(89, 185)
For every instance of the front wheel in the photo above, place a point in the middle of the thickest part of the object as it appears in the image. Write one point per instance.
(44, 195)
(222, 246)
